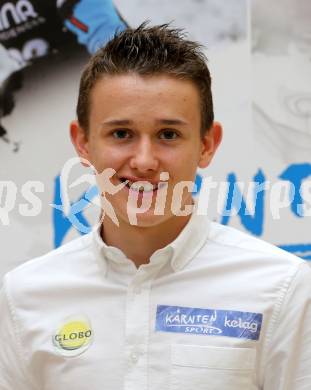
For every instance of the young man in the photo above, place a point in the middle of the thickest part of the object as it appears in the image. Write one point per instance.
(169, 300)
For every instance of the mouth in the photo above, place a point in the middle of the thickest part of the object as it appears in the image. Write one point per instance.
(141, 186)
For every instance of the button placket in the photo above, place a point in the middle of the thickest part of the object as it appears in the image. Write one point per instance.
(137, 335)
(137, 290)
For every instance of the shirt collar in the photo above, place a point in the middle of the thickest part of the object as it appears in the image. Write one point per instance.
(189, 242)
(179, 252)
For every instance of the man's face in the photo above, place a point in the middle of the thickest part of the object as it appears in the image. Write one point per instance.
(142, 127)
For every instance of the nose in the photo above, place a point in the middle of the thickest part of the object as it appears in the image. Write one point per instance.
(144, 157)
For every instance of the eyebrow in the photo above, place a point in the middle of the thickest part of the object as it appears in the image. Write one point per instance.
(171, 122)
(128, 122)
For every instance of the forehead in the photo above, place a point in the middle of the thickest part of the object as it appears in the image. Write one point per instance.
(133, 94)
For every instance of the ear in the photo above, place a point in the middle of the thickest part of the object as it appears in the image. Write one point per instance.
(79, 139)
(210, 143)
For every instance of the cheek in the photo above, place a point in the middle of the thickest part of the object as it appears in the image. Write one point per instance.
(105, 157)
(186, 164)
(182, 171)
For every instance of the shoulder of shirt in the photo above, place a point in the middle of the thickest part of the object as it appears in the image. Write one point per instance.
(63, 256)
(244, 243)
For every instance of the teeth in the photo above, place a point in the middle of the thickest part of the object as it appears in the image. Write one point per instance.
(140, 186)
(137, 186)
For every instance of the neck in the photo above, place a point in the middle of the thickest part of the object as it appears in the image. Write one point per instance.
(139, 243)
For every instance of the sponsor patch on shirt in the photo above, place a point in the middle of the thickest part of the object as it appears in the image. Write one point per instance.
(209, 322)
(73, 337)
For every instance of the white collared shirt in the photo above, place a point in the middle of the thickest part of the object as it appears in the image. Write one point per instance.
(215, 309)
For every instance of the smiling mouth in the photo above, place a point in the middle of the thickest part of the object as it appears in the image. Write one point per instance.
(140, 186)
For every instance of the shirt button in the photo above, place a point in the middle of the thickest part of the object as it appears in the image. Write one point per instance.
(134, 357)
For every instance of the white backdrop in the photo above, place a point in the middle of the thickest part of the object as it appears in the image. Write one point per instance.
(262, 97)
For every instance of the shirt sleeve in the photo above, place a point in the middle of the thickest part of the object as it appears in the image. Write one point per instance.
(12, 371)
(288, 353)
(94, 22)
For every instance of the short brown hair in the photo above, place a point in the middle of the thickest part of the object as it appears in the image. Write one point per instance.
(149, 51)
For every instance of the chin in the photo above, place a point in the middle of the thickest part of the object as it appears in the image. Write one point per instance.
(146, 219)
(150, 220)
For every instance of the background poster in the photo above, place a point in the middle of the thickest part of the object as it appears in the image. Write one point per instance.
(281, 110)
(261, 96)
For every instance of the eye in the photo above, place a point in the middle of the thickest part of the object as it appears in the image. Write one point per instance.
(168, 134)
(121, 134)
